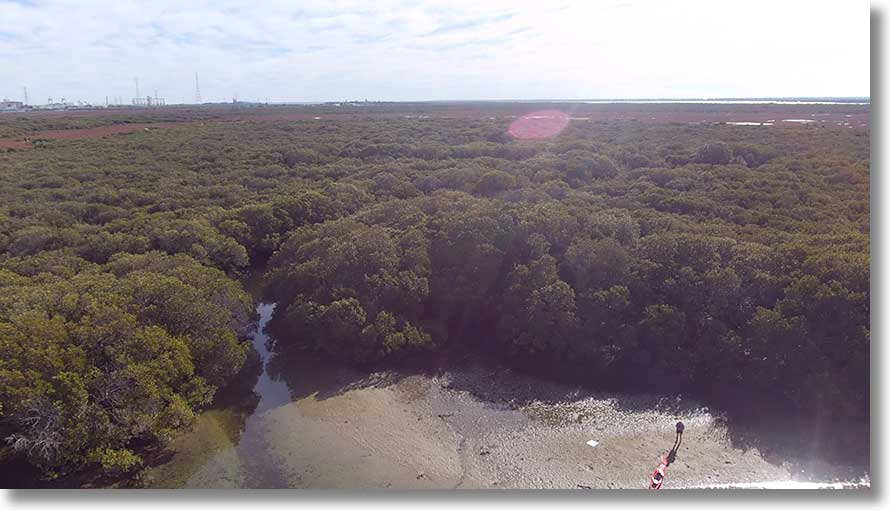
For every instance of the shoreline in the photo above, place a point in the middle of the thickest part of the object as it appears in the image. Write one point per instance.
(347, 429)
(309, 422)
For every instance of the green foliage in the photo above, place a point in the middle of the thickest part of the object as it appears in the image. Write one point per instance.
(710, 258)
(115, 461)
(494, 182)
(714, 153)
(113, 354)
(722, 273)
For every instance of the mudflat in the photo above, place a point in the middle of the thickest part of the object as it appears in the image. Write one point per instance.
(473, 428)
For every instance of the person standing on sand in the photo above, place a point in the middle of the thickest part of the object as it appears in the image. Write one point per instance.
(666, 460)
(672, 455)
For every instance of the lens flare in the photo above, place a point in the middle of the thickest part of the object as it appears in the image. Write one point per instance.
(539, 125)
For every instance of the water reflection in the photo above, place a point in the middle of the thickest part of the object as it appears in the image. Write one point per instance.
(294, 419)
(272, 392)
(226, 447)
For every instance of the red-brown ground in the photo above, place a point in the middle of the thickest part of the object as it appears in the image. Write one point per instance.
(25, 142)
(833, 116)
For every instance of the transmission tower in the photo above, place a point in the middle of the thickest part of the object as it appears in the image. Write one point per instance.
(197, 90)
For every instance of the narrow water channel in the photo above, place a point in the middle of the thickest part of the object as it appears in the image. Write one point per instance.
(221, 452)
(309, 423)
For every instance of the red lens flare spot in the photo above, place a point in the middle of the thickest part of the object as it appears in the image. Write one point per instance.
(539, 125)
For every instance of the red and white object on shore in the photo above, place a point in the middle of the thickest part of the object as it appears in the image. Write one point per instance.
(658, 474)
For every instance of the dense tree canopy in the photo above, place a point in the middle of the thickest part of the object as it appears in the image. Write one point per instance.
(114, 353)
(706, 257)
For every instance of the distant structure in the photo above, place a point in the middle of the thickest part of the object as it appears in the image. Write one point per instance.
(26, 95)
(197, 90)
(51, 104)
(11, 106)
(149, 101)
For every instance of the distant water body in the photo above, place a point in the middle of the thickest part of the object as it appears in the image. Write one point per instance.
(751, 100)
(730, 101)
(721, 101)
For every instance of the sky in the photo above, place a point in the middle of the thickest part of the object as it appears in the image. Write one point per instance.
(406, 50)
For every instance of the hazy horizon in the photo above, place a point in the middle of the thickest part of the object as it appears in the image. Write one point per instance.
(432, 51)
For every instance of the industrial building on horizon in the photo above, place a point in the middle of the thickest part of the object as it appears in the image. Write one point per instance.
(11, 106)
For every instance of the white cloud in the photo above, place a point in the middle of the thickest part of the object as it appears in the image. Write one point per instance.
(406, 50)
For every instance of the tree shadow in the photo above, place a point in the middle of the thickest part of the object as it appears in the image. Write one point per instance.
(817, 449)
(232, 406)
(809, 451)
(239, 393)
(309, 374)
(814, 449)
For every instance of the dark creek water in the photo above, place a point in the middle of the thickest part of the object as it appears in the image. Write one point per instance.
(228, 447)
(308, 423)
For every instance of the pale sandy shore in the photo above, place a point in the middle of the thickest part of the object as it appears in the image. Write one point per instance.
(309, 423)
(469, 429)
